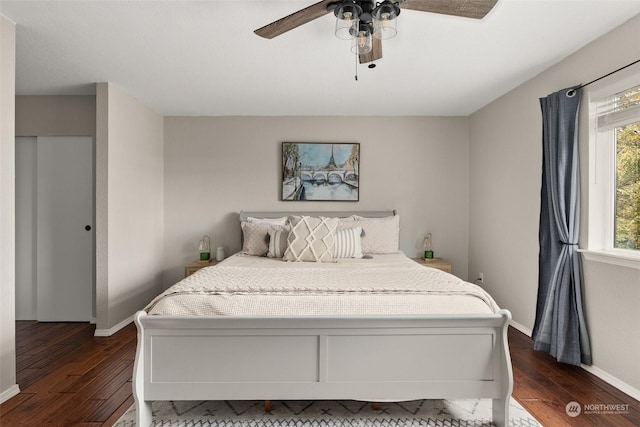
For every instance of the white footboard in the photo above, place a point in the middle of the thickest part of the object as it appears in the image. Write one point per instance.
(362, 358)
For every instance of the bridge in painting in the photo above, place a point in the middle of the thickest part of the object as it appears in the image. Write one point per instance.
(348, 176)
(293, 186)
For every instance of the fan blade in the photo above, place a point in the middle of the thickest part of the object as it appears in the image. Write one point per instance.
(294, 20)
(375, 54)
(476, 9)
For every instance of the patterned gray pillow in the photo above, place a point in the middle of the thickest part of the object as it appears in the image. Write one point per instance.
(311, 239)
(255, 237)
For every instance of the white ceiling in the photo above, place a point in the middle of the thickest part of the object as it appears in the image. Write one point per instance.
(202, 58)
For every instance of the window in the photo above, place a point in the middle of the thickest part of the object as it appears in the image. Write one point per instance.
(627, 204)
(618, 122)
(614, 171)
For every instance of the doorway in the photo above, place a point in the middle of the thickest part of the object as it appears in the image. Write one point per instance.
(55, 263)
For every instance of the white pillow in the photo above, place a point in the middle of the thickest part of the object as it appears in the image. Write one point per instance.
(347, 222)
(381, 235)
(274, 221)
(348, 243)
(311, 239)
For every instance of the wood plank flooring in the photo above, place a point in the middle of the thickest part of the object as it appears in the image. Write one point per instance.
(68, 377)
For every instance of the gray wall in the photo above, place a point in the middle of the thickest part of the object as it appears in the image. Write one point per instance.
(129, 206)
(55, 115)
(8, 386)
(505, 176)
(217, 166)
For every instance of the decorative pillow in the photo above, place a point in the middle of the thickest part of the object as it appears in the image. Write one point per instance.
(274, 221)
(381, 235)
(277, 242)
(311, 239)
(348, 243)
(255, 237)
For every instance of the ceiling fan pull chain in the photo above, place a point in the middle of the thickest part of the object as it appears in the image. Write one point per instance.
(356, 56)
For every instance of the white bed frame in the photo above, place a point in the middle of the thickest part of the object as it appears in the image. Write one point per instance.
(369, 358)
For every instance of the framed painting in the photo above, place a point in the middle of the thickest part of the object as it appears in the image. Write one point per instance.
(320, 171)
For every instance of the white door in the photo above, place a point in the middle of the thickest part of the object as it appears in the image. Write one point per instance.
(64, 227)
(26, 289)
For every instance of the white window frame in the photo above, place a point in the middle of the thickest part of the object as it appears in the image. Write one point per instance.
(602, 182)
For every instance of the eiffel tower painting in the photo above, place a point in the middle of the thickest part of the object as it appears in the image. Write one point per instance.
(320, 171)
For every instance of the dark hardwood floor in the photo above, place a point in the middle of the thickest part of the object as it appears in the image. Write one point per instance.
(68, 377)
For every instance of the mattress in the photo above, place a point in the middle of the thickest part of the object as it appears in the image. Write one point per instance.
(390, 284)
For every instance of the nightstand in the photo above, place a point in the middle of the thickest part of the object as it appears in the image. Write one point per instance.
(189, 269)
(438, 263)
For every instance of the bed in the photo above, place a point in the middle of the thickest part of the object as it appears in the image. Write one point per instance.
(365, 329)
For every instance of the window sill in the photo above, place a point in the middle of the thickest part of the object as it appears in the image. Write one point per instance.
(612, 257)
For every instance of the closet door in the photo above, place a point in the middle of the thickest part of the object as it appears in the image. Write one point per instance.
(65, 234)
(26, 190)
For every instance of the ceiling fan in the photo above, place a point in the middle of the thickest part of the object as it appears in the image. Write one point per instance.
(367, 22)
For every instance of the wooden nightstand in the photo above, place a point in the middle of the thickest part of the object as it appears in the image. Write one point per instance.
(438, 263)
(189, 269)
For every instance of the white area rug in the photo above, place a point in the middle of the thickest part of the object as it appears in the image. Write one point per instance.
(320, 413)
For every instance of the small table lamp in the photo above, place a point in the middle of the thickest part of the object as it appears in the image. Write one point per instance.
(205, 248)
(426, 243)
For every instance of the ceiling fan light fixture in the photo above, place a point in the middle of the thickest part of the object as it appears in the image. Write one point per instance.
(347, 20)
(363, 42)
(385, 20)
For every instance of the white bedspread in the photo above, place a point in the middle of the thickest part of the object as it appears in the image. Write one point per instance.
(256, 286)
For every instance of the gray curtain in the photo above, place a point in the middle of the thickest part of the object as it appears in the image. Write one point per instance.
(560, 327)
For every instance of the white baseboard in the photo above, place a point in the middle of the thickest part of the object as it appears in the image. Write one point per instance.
(616, 382)
(521, 328)
(113, 330)
(603, 375)
(8, 394)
